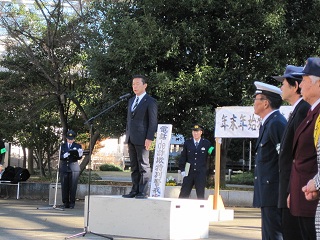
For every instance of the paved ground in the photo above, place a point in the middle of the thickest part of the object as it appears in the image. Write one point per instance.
(34, 219)
(116, 176)
(124, 176)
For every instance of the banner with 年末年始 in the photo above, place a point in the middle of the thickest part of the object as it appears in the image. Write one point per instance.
(240, 122)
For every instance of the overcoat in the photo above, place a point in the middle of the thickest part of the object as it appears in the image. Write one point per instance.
(285, 155)
(266, 173)
(304, 166)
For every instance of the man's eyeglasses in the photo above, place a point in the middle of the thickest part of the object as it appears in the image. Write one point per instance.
(260, 99)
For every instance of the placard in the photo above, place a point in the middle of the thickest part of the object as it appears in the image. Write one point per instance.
(241, 122)
(160, 162)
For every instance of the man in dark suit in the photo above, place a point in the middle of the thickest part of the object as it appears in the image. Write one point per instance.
(195, 153)
(69, 169)
(291, 93)
(311, 190)
(305, 166)
(142, 121)
(267, 102)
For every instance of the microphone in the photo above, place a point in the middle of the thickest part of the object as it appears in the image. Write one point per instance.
(125, 96)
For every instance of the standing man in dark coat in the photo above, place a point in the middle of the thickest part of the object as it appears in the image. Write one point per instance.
(69, 169)
(291, 93)
(311, 190)
(267, 102)
(195, 153)
(142, 122)
(305, 165)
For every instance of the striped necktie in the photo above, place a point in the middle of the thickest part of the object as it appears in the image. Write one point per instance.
(197, 144)
(135, 104)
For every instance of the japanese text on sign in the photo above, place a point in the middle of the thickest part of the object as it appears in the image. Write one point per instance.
(160, 162)
(240, 122)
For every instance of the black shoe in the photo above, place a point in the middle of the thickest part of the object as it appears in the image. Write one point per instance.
(141, 196)
(130, 195)
(71, 207)
(66, 206)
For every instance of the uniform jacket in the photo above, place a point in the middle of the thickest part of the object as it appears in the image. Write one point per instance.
(142, 122)
(266, 173)
(70, 163)
(304, 166)
(197, 157)
(285, 154)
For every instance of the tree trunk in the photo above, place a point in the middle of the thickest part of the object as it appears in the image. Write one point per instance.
(49, 165)
(24, 161)
(86, 159)
(30, 161)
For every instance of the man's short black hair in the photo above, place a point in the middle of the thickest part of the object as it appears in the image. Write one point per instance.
(143, 78)
(292, 82)
(275, 102)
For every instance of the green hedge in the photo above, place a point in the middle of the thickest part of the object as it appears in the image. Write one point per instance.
(110, 167)
(246, 178)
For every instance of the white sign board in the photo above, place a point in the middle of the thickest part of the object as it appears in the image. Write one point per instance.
(160, 162)
(240, 122)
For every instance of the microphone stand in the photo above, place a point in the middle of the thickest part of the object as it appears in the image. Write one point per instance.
(90, 121)
(56, 189)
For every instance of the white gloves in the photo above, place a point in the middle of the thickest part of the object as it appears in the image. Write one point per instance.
(67, 154)
(80, 151)
(183, 174)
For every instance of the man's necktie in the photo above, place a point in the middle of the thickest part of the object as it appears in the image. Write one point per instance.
(197, 144)
(290, 116)
(309, 112)
(260, 130)
(135, 104)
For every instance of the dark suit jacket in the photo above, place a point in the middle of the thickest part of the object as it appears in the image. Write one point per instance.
(266, 172)
(304, 166)
(70, 163)
(285, 154)
(143, 121)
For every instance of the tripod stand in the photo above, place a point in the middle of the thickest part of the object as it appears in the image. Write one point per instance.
(90, 121)
(56, 190)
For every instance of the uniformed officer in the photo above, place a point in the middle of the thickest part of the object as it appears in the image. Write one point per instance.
(193, 163)
(267, 102)
(69, 169)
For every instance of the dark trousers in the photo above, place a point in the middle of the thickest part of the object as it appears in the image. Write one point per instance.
(307, 227)
(197, 179)
(271, 223)
(140, 168)
(69, 182)
(290, 226)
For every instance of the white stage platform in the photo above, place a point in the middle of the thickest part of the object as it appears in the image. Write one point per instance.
(152, 218)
